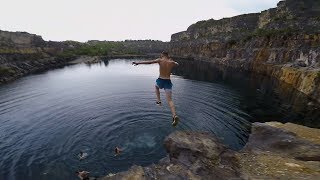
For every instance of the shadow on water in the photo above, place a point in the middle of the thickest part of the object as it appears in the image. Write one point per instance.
(267, 99)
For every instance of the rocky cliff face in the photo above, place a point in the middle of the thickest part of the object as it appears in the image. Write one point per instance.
(283, 42)
(20, 40)
(274, 151)
(23, 53)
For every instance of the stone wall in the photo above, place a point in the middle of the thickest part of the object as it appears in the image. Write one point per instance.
(282, 42)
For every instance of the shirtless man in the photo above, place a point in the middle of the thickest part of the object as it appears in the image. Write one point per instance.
(166, 65)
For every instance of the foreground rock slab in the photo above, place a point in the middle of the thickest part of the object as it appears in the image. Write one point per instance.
(281, 151)
(273, 151)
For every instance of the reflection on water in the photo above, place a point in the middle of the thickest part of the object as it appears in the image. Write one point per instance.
(266, 99)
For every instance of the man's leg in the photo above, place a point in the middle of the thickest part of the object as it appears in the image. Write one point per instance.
(170, 102)
(158, 93)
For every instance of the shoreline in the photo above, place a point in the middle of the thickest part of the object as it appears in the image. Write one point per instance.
(25, 68)
(302, 79)
(44, 64)
(273, 151)
(96, 59)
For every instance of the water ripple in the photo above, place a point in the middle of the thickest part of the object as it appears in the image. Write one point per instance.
(48, 118)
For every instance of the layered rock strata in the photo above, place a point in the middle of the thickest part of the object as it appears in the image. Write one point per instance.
(282, 42)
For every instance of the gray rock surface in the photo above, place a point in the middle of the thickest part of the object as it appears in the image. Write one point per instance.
(282, 43)
(272, 152)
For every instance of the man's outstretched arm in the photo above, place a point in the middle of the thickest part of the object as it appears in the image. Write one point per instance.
(146, 62)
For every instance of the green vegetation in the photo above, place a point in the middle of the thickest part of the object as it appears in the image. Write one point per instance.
(285, 18)
(273, 32)
(6, 71)
(278, 18)
(231, 42)
(99, 49)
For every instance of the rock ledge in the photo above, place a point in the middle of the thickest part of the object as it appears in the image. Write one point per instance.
(274, 151)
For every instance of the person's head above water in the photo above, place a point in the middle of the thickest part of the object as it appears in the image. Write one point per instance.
(117, 150)
(164, 54)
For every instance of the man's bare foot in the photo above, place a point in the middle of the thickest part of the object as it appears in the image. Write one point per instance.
(175, 120)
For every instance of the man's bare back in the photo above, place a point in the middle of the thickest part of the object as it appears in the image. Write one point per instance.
(165, 67)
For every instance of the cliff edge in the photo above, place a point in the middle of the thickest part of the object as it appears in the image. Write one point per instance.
(274, 151)
(282, 42)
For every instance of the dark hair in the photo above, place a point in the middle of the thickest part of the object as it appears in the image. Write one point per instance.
(165, 54)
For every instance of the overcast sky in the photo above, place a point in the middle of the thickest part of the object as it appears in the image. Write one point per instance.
(84, 20)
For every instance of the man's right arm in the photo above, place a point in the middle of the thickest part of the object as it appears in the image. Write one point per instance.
(146, 62)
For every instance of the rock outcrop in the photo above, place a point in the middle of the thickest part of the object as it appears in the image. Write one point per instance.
(22, 53)
(274, 151)
(283, 43)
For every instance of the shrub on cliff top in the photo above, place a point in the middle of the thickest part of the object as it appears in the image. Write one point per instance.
(273, 32)
(231, 43)
(5, 71)
(99, 49)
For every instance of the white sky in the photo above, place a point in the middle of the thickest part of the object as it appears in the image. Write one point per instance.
(83, 20)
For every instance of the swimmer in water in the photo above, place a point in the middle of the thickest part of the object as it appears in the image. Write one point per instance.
(83, 175)
(166, 64)
(117, 151)
(82, 155)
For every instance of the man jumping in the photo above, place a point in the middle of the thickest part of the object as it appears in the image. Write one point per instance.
(166, 65)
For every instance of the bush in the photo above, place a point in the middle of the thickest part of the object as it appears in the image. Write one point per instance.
(231, 43)
(101, 49)
(272, 32)
(6, 71)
